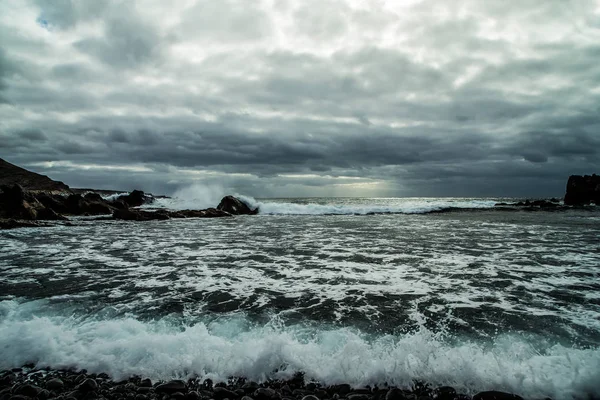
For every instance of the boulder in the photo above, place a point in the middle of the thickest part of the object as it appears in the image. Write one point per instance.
(235, 206)
(171, 387)
(136, 198)
(92, 196)
(582, 190)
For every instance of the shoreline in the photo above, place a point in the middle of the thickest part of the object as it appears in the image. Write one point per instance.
(29, 382)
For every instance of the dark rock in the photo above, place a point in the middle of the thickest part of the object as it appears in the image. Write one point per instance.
(28, 390)
(119, 205)
(48, 214)
(445, 393)
(192, 395)
(144, 389)
(19, 397)
(247, 398)
(171, 387)
(310, 397)
(91, 196)
(177, 396)
(15, 203)
(495, 395)
(250, 387)
(320, 393)
(341, 389)
(301, 392)
(361, 391)
(43, 394)
(395, 394)
(145, 383)
(265, 394)
(55, 384)
(8, 379)
(135, 198)
(11, 174)
(55, 202)
(582, 190)
(88, 385)
(235, 206)
(358, 396)
(221, 393)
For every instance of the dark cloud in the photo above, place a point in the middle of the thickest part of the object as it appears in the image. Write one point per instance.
(317, 98)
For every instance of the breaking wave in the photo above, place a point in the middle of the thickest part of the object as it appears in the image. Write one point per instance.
(364, 206)
(233, 346)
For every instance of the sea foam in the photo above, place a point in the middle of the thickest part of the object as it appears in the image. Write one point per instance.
(233, 346)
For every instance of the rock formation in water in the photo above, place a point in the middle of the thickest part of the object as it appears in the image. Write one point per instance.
(235, 206)
(582, 190)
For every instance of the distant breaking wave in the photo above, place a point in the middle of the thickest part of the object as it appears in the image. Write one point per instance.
(360, 206)
(198, 196)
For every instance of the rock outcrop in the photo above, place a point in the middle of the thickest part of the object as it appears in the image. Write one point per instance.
(583, 190)
(136, 198)
(10, 175)
(235, 206)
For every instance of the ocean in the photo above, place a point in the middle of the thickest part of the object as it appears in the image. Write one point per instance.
(346, 290)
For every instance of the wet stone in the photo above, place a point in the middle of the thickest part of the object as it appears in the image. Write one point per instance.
(177, 396)
(28, 390)
(145, 383)
(265, 394)
(55, 384)
(495, 395)
(445, 393)
(192, 395)
(310, 397)
(358, 397)
(395, 394)
(221, 393)
(171, 387)
(88, 385)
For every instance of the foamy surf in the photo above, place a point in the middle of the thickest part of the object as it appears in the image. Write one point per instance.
(233, 346)
(203, 197)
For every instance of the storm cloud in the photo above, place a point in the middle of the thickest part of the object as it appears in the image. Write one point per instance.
(311, 98)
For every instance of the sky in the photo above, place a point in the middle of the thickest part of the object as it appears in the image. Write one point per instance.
(277, 98)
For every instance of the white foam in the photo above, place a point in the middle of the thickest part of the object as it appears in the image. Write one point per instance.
(196, 196)
(113, 197)
(364, 206)
(162, 349)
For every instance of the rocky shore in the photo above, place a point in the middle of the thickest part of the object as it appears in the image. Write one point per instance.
(29, 383)
(22, 208)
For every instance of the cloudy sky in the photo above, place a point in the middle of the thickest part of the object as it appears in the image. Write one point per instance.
(304, 98)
